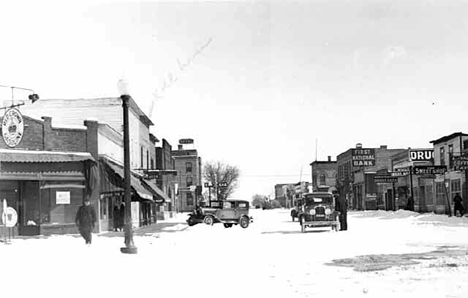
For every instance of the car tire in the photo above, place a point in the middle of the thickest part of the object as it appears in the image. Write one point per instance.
(292, 218)
(208, 220)
(244, 222)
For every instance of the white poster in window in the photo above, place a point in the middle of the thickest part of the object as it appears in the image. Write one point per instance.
(62, 197)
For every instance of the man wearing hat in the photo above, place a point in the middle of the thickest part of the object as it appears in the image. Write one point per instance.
(85, 220)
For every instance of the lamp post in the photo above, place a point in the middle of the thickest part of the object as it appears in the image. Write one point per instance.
(130, 247)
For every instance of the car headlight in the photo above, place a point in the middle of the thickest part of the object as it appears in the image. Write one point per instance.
(328, 211)
(312, 211)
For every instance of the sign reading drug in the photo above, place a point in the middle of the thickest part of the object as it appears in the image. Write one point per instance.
(421, 154)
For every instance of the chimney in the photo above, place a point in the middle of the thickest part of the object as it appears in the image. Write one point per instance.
(180, 147)
(358, 145)
(383, 146)
(329, 158)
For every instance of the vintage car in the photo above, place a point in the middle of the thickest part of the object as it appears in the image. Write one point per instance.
(297, 208)
(228, 212)
(318, 210)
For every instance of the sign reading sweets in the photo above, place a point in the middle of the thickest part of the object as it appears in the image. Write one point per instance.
(363, 157)
(12, 127)
(429, 170)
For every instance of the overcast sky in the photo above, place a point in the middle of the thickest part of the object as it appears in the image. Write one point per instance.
(255, 84)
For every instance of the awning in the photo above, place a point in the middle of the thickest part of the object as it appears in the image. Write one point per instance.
(157, 192)
(9, 155)
(134, 181)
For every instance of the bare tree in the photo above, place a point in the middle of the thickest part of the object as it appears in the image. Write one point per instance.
(219, 174)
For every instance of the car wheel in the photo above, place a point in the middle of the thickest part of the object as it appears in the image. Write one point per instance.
(292, 218)
(244, 222)
(302, 228)
(228, 225)
(208, 220)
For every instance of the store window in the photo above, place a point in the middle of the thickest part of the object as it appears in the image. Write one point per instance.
(104, 207)
(59, 205)
(455, 187)
(440, 193)
(323, 179)
(189, 199)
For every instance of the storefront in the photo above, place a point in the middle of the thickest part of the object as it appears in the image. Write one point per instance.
(45, 188)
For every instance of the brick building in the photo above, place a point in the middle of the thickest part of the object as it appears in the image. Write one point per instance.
(167, 174)
(324, 175)
(189, 175)
(147, 198)
(46, 172)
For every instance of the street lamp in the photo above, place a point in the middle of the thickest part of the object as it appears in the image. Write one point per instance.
(33, 97)
(130, 247)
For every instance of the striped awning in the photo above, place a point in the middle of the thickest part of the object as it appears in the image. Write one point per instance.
(11, 155)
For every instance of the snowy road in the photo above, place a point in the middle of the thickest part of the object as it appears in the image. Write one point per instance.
(271, 258)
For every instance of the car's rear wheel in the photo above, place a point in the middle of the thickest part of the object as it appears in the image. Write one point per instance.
(208, 220)
(244, 222)
(228, 225)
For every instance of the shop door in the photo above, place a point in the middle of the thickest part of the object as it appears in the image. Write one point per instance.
(29, 212)
(390, 200)
(422, 199)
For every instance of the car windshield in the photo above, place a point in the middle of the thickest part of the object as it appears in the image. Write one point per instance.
(311, 199)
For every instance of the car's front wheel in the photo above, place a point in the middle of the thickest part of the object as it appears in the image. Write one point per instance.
(244, 222)
(208, 220)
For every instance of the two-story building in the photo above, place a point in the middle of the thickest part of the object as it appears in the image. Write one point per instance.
(324, 175)
(109, 146)
(167, 176)
(448, 150)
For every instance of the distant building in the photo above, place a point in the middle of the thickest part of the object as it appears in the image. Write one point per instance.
(356, 170)
(167, 175)
(284, 193)
(189, 175)
(324, 175)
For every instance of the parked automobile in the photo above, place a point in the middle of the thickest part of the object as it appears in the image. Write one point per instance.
(228, 212)
(297, 208)
(318, 210)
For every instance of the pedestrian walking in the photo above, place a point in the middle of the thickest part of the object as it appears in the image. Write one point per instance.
(85, 220)
(341, 205)
(458, 205)
(410, 204)
(116, 221)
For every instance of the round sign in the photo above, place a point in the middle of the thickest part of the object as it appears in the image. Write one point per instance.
(10, 217)
(12, 127)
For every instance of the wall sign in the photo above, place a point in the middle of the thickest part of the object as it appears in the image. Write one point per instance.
(12, 127)
(9, 217)
(421, 154)
(62, 197)
(363, 157)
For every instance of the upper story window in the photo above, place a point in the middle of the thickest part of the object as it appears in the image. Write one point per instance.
(188, 167)
(450, 153)
(442, 156)
(141, 157)
(189, 180)
(323, 179)
(465, 144)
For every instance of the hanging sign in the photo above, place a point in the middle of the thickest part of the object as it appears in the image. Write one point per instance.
(12, 127)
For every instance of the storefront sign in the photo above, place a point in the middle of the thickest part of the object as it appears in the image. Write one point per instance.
(9, 217)
(363, 157)
(12, 127)
(421, 154)
(399, 173)
(62, 197)
(385, 179)
(431, 170)
(460, 163)
(186, 141)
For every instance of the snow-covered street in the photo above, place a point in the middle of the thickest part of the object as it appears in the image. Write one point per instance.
(383, 254)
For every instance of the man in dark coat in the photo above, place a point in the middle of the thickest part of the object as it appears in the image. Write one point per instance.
(85, 220)
(458, 205)
(341, 205)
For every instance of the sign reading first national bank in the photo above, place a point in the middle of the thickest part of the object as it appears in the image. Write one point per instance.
(363, 157)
